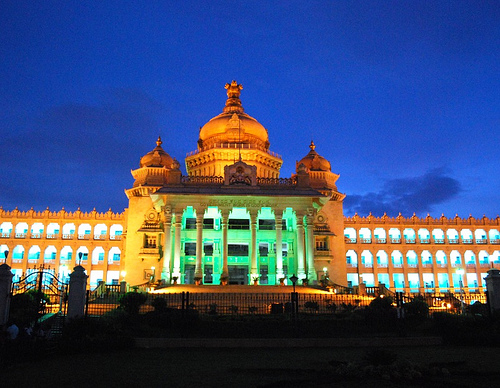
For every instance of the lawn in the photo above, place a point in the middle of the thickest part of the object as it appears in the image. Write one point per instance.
(306, 367)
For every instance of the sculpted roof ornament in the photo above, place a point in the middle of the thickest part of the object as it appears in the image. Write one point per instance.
(233, 103)
(313, 161)
(157, 158)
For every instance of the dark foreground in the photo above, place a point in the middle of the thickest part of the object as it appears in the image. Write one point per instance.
(436, 366)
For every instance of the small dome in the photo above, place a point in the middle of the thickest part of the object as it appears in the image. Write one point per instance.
(313, 161)
(233, 125)
(157, 158)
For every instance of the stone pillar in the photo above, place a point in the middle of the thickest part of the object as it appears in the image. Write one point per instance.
(311, 271)
(253, 248)
(177, 248)
(77, 293)
(167, 247)
(279, 246)
(5, 286)
(198, 272)
(493, 289)
(225, 272)
(300, 248)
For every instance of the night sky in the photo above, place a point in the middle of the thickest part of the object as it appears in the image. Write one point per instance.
(401, 97)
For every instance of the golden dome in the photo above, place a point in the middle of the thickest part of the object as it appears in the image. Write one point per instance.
(233, 125)
(157, 158)
(313, 161)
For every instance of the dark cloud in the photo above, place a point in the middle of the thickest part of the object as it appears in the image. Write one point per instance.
(406, 195)
(75, 154)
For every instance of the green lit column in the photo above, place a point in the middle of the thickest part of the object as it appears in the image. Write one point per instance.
(279, 247)
(311, 272)
(167, 250)
(225, 271)
(253, 249)
(177, 247)
(198, 272)
(300, 247)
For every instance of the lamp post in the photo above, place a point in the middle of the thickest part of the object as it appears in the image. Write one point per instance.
(6, 255)
(460, 273)
(80, 254)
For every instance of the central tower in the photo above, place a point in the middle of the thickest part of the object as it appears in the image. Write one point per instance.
(233, 136)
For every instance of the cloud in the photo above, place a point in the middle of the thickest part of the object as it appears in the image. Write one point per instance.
(75, 153)
(406, 195)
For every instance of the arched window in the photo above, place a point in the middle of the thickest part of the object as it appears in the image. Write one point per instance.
(394, 235)
(412, 259)
(494, 236)
(114, 256)
(5, 229)
(100, 231)
(367, 258)
(98, 256)
(441, 259)
(82, 259)
(350, 234)
(115, 232)
(382, 259)
(438, 236)
(409, 235)
(49, 255)
(424, 236)
(68, 231)
(455, 258)
(84, 232)
(480, 235)
(484, 258)
(470, 258)
(397, 259)
(34, 254)
(37, 230)
(426, 257)
(466, 236)
(66, 255)
(365, 235)
(21, 230)
(52, 230)
(452, 236)
(380, 235)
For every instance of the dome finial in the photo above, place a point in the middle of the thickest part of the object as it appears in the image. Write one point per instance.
(159, 142)
(233, 103)
(312, 146)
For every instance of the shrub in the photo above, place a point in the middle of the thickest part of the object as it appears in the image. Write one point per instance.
(131, 302)
(417, 308)
(311, 305)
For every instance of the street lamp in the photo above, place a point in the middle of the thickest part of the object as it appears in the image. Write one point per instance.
(294, 279)
(80, 254)
(6, 254)
(460, 273)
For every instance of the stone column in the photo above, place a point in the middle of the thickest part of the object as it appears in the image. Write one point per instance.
(198, 272)
(279, 245)
(177, 248)
(493, 289)
(253, 248)
(311, 272)
(225, 272)
(167, 247)
(300, 248)
(5, 286)
(77, 293)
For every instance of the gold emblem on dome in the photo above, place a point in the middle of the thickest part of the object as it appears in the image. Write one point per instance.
(233, 89)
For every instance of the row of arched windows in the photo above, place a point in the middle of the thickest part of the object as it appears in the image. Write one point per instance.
(34, 255)
(409, 235)
(412, 259)
(53, 230)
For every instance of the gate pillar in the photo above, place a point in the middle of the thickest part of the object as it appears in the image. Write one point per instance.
(5, 287)
(77, 293)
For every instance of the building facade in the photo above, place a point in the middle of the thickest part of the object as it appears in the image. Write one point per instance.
(233, 220)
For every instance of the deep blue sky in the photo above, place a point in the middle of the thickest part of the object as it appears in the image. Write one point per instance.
(402, 97)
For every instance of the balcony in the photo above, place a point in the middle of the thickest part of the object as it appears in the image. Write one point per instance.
(380, 240)
(481, 241)
(409, 240)
(68, 236)
(100, 236)
(441, 264)
(397, 265)
(116, 237)
(382, 265)
(466, 241)
(453, 241)
(20, 235)
(395, 240)
(84, 237)
(425, 240)
(439, 241)
(350, 240)
(495, 241)
(52, 236)
(36, 235)
(5, 235)
(366, 240)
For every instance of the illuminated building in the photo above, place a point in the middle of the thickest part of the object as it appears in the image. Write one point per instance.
(233, 219)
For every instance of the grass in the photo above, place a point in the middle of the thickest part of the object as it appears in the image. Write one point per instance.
(309, 367)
